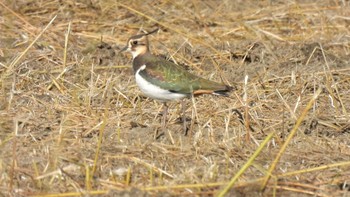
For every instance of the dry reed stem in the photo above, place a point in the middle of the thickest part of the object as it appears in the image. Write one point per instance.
(10, 68)
(290, 136)
(66, 40)
(224, 191)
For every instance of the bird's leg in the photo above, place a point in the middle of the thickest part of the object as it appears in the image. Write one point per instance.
(165, 113)
(165, 131)
(163, 122)
(183, 108)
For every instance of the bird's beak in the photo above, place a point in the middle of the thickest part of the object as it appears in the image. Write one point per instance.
(124, 49)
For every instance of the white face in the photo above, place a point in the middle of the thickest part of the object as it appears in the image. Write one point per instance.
(137, 46)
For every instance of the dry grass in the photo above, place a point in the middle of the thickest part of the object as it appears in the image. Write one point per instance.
(73, 122)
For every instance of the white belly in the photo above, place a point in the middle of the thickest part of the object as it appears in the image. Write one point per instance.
(153, 91)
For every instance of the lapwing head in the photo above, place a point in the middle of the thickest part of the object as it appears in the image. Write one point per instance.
(138, 44)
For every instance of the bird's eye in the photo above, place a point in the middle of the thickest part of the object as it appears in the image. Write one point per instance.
(135, 42)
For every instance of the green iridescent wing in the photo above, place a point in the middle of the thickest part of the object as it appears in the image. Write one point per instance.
(172, 77)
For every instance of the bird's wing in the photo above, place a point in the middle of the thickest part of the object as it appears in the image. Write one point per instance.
(172, 77)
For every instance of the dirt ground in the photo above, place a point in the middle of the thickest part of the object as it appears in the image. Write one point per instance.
(74, 123)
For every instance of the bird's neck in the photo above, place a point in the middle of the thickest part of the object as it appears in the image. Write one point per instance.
(141, 59)
(139, 52)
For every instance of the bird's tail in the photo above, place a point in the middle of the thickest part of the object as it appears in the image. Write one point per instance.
(210, 87)
(223, 92)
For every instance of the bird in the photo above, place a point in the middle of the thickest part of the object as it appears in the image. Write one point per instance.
(164, 80)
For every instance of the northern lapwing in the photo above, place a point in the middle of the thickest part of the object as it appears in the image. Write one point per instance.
(163, 80)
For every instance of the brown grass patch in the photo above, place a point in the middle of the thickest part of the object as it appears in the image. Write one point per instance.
(73, 122)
